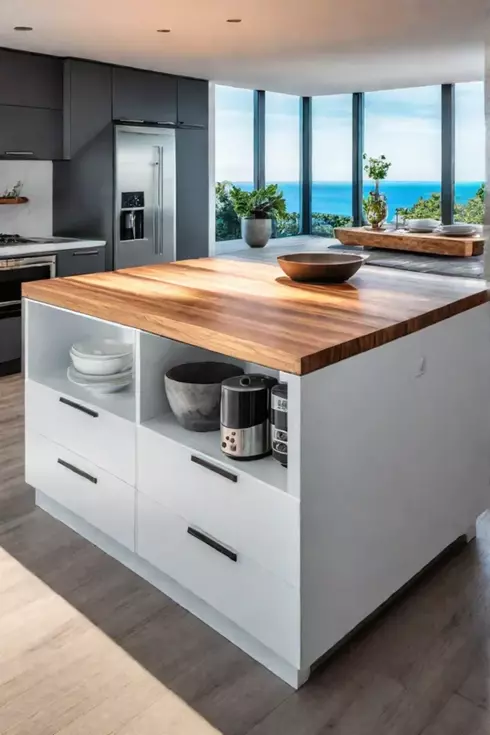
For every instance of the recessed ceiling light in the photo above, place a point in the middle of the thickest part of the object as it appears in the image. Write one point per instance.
(163, 30)
(23, 28)
(234, 20)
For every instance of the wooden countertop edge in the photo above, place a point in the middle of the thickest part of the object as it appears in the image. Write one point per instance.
(383, 336)
(247, 350)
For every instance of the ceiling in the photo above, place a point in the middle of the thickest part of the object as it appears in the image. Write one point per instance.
(298, 46)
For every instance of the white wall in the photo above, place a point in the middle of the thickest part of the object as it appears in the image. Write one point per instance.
(34, 219)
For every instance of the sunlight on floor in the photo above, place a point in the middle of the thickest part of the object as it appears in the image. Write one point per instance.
(61, 674)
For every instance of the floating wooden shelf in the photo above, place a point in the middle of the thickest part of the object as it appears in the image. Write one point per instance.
(12, 200)
(431, 243)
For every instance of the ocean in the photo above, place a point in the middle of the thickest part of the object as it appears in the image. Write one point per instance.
(336, 197)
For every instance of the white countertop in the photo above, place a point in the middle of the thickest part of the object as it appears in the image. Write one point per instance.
(41, 248)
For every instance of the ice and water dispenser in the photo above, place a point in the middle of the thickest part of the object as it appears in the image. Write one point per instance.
(132, 215)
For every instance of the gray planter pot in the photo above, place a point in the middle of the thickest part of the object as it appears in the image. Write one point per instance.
(256, 232)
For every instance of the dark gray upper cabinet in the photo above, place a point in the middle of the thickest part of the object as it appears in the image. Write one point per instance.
(29, 132)
(192, 215)
(193, 102)
(87, 104)
(30, 80)
(144, 96)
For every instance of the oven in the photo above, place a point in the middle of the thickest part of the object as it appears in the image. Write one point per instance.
(13, 273)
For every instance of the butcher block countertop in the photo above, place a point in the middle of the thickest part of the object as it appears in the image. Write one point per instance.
(252, 312)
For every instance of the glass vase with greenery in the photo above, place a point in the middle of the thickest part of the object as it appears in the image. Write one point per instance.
(257, 209)
(376, 204)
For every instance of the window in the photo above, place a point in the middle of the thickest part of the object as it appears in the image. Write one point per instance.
(282, 155)
(234, 150)
(470, 152)
(331, 204)
(405, 126)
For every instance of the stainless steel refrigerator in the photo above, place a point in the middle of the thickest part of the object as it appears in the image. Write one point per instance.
(144, 213)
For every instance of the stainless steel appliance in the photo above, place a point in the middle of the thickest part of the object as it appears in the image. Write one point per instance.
(13, 273)
(144, 231)
(245, 416)
(279, 423)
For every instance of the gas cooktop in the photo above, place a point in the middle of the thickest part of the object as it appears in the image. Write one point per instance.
(7, 239)
(12, 239)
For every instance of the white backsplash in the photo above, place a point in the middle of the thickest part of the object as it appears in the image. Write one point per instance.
(35, 218)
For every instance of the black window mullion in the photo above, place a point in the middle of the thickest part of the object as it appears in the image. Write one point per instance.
(448, 128)
(357, 151)
(259, 138)
(305, 165)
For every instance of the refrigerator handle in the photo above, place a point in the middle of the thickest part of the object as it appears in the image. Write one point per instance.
(156, 208)
(160, 199)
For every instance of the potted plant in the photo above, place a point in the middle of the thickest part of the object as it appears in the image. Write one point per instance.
(375, 204)
(257, 209)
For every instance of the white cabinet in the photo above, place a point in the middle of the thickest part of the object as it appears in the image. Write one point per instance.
(227, 579)
(77, 484)
(103, 438)
(260, 520)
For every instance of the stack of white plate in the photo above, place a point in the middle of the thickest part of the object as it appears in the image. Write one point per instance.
(458, 229)
(101, 366)
(422, 225)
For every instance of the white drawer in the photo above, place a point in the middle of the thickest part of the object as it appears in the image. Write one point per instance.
(260, 520)
(106, 440)
(91, 493)
(244, 592)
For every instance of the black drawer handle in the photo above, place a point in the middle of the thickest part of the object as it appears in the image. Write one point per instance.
(214, 468)
(79, 407)
(86, 252)
(212, 543)
(74, 469)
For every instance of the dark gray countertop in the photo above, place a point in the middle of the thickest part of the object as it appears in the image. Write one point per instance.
(437, 264)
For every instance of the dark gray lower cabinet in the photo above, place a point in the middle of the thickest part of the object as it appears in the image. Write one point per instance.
(192, 155)
(10, 345)
(80, 261)
(31, 132)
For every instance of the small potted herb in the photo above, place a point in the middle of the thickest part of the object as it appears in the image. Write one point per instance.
(257, 209)
(375, 204)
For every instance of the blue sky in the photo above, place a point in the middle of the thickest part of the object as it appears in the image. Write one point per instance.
(402, 124)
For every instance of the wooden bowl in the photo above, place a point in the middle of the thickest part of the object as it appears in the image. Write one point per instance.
(321, 267)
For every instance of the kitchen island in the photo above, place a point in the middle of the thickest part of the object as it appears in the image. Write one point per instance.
(389, 428)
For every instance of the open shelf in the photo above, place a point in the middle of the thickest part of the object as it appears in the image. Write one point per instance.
(121, 404)
(267, 469)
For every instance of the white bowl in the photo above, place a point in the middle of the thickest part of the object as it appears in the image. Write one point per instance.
(427, 225)
(109, 365)
(99, 385)
(102, 349)
(458, 228)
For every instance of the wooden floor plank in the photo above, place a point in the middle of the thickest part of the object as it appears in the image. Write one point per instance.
(460, 717)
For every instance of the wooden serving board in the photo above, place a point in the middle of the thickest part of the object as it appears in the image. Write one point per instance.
(13, 200)
(410, 241)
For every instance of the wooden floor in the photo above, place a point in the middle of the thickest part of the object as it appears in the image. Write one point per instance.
(87, 648)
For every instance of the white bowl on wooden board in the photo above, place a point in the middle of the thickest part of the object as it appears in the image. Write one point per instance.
(458, 229)
(422, 225)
